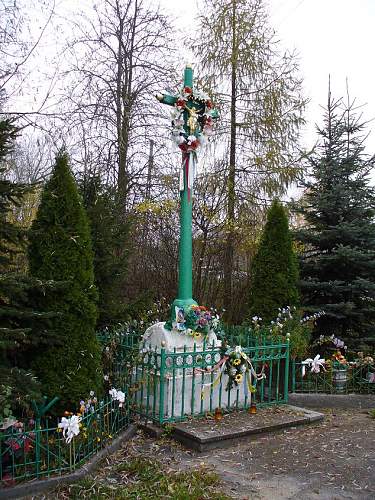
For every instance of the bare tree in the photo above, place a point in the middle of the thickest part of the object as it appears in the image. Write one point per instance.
(119, 61)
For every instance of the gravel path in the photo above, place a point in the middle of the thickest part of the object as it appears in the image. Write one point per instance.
(334, 459)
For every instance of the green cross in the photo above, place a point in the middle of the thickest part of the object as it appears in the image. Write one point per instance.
(193, 124)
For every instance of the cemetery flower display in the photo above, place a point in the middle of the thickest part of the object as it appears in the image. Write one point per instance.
(196, 321)
(88, 405)
(331, 341)
(200, 119)
(363, 360)
(238, 367)
(118, 395)
(315, 364)
(70, 427)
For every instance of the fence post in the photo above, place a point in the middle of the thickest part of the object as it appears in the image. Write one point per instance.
(286, 381)
(294, 375)
(162, 388)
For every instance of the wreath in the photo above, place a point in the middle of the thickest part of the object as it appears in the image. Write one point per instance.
(200, 119)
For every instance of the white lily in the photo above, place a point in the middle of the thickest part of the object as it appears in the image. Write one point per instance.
(118, 396)
(70, 427)
(316, 364)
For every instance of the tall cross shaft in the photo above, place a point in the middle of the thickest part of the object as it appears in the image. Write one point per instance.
(192, 111)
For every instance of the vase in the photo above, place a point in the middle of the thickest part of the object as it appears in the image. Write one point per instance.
(339, 378)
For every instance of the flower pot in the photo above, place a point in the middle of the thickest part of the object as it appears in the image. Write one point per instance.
(339, 378)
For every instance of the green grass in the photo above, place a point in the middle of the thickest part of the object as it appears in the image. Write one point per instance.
(143, 479)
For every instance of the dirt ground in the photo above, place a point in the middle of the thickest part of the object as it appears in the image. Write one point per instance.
(334, 459)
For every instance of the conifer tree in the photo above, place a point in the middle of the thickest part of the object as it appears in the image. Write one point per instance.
(109, 234)
(20, 323)
(260, 96)
(274, 274)
(338, 235)
(13, 313)
(60, 249)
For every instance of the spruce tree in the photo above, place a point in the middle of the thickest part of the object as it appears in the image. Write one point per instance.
(13, 287)
(60, 249)
(21, 325)
(274, 273)
(338, 232)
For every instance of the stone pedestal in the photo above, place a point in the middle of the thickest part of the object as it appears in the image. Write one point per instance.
(156, 336)
(182, 392)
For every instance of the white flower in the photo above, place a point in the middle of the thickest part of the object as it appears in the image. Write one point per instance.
(215, 322)
(117, 396)
(70, 427)
(316, 364)
(92, 393)
(232, 372)
(113, 393)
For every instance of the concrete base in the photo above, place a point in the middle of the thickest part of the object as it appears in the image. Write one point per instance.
(183, 395)
(359, 401)
(206, 435)
(157, 336)
(183, 386)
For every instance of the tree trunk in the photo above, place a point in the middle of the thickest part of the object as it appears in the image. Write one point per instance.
(229, 249)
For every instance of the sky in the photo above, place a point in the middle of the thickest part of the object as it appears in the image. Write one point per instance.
(331, 37)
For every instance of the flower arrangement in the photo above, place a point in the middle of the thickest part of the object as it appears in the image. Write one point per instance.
(200, 119)
(195, 321)
(331, 341)
(290, 322)
(236, 367)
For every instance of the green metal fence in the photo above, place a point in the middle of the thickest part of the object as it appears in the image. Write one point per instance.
(160, 386)
(41, 451)
(335, 380)
(172, 386)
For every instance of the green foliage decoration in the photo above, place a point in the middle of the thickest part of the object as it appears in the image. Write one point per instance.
(60, 249)
(274, 274)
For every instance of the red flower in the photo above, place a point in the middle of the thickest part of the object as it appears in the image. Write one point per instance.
(27, 445)
(208, 121)
(180, 103)
(194, 144)
(183, 147)
(187, 90)
(208, 104)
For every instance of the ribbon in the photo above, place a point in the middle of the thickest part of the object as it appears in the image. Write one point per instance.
(189, 164)
(248, 387)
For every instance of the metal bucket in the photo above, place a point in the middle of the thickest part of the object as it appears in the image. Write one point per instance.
(340, 378)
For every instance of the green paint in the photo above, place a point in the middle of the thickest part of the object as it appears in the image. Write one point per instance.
(185, 264)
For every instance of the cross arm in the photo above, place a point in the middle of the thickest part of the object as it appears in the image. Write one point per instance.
(167, 99)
